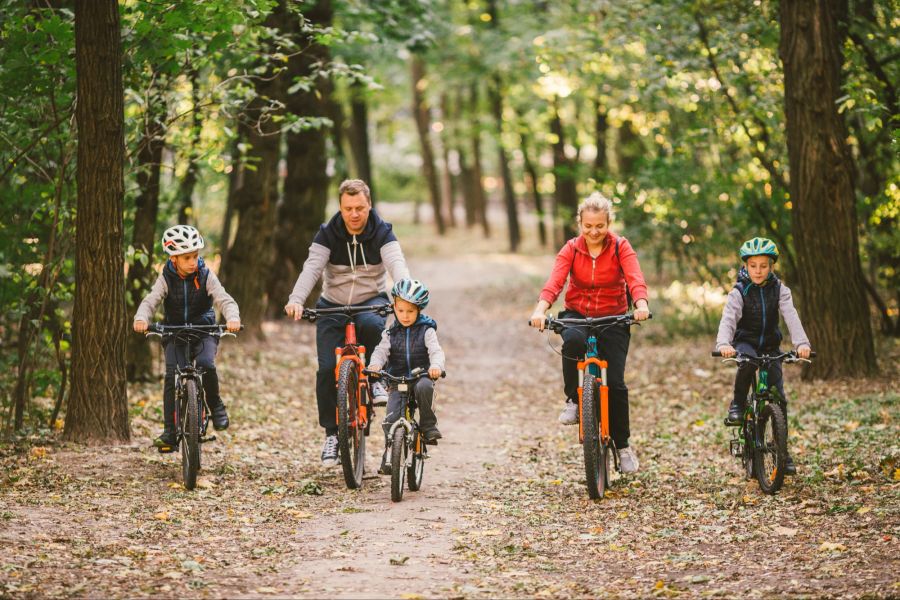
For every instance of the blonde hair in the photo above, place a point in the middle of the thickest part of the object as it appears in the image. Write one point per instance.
(352, 187)
(596, 202)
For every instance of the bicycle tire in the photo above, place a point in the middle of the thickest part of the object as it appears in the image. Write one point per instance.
(351, 439)
(398, 464)
(416, 470)
(594, 455)
(190, 446)
(770, 460)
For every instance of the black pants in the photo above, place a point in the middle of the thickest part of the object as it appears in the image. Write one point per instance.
(612, 346)
(424, 395)
(330, 335)
(202, 350)
(744, 377)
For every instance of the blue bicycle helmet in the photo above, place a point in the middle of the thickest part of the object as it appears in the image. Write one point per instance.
(413, 291)
(759, 246)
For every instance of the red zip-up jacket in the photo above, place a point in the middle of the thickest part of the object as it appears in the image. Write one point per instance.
(596, 285)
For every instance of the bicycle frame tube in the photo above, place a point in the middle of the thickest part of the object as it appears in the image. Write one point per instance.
(351, 350)
(597, 368)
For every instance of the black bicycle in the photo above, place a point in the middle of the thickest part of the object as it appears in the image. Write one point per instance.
(192, 413)
(406, 442)
(759, 439)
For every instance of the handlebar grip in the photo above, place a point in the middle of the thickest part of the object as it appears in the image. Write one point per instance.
(812, 354)
(716, 354)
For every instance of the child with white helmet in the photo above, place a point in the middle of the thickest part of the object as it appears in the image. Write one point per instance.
(410, 343)
(749, 324)
(188, 290)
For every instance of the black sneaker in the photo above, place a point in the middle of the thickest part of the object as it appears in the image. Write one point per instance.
(220, 418)
(432, 435)
(789, 467)
(385, 468)
(330, 451)
(735, 413)
(166, 442)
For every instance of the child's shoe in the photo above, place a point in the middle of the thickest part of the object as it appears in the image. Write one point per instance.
(220, 418)
(432, 435)
(385, 468)
(166, 442)
(569, 415)
(379, 392)
(735, 412)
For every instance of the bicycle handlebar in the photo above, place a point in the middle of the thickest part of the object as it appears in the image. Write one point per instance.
(560, 324)
(311, 314)
(162, 330)
(415, 375)
(788, 357)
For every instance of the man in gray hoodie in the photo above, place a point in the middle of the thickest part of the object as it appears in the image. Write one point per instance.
(353, 253)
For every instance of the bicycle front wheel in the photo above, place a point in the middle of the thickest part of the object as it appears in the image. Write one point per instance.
(190, 446)
(398, 463)
(417, 466)
(595, 452)
(351, 437)
(770, 455)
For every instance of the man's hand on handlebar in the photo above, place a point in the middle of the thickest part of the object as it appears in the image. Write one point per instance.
(233, 326)
(294, 311)
(140, 326)
(727, 351)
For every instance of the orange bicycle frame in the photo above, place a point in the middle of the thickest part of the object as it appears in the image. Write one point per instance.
(604, 399)
(356, 353)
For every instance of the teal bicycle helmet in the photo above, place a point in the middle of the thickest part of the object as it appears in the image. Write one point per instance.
(759, 246)
(413, 291)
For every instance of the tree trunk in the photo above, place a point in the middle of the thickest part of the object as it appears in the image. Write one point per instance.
(448, 179)
(509, 197)
(480, 200)
(185, 193)
(138, 358)
(235, 183)
(466, 174)
(359, 136)
(600, 127)
(306, 182)
(423, 126)
(98, 408)
(536, 197)
(822, 191)
(566, 193)
(256, 202)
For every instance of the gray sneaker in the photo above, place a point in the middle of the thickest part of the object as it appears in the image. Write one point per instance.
(379, 393)
(330, 451)
(569, 415)
(628, 460)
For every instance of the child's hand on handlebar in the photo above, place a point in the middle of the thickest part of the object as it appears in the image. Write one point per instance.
(727, 351)
(140, 326)
(233, 326)
(804, 351)
(434, 373)
(295, 311)
(537, 320)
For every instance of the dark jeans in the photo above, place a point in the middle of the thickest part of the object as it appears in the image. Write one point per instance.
(424, 394)
(744, 377)
(330, 335)
(204, 352)
(612, 346)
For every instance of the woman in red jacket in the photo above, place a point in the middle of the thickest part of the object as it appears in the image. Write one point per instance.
(597, 264)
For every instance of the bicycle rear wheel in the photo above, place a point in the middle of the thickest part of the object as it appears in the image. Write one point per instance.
(190, 446)
(770, 458)
(351, 437)
(595, 452)
(417, 466)
(398, 463)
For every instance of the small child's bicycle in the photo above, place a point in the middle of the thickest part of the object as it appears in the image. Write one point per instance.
(354, 400)
(759, 440)
(192, 413)
(593, 401)
(405, 440)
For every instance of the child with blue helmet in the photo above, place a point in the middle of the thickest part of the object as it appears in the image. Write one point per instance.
(410, 343)
(749, 324)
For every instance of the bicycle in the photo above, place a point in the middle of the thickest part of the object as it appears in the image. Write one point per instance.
(759, 439)
(593, 401)
(192, 413)
(405, 440)
(354, 401)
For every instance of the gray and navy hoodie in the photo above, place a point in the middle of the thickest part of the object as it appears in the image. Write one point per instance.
(355, 267)
(751, 315)
(403, 349)
(188, 300)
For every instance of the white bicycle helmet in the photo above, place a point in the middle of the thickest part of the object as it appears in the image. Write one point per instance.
(181, 239)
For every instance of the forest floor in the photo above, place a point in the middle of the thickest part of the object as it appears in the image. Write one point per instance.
(503, 510)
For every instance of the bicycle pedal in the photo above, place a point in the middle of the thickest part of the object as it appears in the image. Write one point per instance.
(211, 438)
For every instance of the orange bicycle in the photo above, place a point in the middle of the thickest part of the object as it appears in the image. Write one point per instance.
(593, 401)
(354, 400)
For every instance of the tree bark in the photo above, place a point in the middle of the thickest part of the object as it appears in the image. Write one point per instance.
(566, 193)
(98, 408)
(448, 179)
(423, 126)
(189, 182)
(466, 175)
(235, 182)
(306, 181)
(536, 197)
(359, 136)
(822, 190)
(480, 200)
(138, 358)
(600, 127)
(509, 197)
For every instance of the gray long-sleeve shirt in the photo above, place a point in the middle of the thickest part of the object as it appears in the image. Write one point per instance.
(382, 352)
(221, 299)
(734, 308)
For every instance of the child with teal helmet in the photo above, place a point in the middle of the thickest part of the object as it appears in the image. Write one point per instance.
(749, 324)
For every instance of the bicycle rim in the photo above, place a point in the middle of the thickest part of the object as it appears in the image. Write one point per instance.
(351, 440)
(416, 469)
(190, 447)
(398, 463)
(593, 454)
(771, 455)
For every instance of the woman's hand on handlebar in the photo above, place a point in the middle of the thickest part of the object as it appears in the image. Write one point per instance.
(295, 311)
(641, 310)
(538, 320)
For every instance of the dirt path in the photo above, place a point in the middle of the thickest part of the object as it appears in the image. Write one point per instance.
(503, 510)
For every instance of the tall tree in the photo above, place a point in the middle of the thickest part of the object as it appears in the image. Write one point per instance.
(423, 126)
(306, 181)
(98, 408)
(566, 192)
(359, 135)
(822, 190)
(480, 198)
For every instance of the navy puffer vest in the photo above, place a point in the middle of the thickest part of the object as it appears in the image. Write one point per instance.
(759, 319)
(187, 301)
(408, 350)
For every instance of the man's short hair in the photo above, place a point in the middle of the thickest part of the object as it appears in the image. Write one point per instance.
(352, 187)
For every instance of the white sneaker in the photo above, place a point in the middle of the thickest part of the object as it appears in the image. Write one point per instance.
(379, 393)
(628, 460)
(330, 451)
(569, 415)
